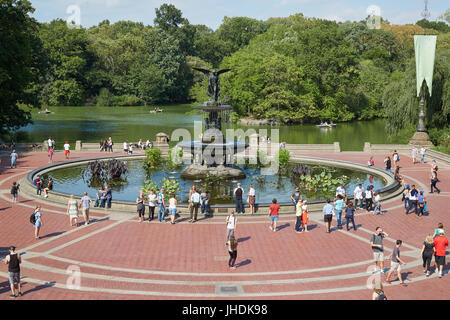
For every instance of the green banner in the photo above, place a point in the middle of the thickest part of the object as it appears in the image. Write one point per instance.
(424, 47)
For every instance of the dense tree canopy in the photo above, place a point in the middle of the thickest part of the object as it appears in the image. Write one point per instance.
(21, 62)
(293, 69)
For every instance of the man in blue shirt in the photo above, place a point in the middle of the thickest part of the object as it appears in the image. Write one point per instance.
(339, 203)
(161, 205)
(195, 200)
(328, 212)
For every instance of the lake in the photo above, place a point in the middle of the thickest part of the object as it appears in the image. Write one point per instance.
(91, 124)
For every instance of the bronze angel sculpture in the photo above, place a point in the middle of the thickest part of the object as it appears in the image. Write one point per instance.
(213, 79)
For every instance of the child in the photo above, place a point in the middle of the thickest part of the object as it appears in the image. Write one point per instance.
(396, 262)
(438, 230)
(15, 191)
(422, 203)
(130, 149)
(350, 215)
(305, 215)
(50, 155)
(232, 251)
(371, 162)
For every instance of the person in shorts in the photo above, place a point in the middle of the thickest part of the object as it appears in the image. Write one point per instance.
(13, 261)
(396, 263)
(173, 202)
(440, 242)
(85, 204)
(328, 211)
(67, 150)
(376, 243)
(273, 214)
(14, 192)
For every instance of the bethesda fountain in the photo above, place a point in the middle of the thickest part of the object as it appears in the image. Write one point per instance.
(212, 155)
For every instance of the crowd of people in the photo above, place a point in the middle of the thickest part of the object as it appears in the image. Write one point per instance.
(364, 198)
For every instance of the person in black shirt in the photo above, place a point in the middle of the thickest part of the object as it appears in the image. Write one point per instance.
(428, 251)
(387, 162)
(13, 261)
(238, 193)
(15, 191)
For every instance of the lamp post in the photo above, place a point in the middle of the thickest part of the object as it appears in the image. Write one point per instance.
(421, 125)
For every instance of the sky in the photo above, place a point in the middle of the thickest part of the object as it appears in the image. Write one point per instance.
(211, 12)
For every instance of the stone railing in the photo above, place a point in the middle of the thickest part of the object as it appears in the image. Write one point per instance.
(439, 156)
(386, 148)
(335, 147)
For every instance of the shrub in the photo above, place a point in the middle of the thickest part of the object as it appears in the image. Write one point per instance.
(283, 157)
(154, 158)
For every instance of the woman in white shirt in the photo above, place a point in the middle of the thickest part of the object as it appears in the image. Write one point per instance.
(231, 225)
(172, 208)
(125, 147)
(251, 199)
(151, 204)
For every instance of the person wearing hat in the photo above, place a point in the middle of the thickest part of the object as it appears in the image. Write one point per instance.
(67, 150)
(13, 261)
(440, 242)
(405, 196)
(421, 201)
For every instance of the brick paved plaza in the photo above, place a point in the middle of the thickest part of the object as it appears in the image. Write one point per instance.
(120, 258)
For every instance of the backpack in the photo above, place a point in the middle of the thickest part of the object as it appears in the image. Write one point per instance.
(33, 218)
(238, 193)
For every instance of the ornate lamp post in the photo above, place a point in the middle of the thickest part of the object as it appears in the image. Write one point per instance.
(424, 51)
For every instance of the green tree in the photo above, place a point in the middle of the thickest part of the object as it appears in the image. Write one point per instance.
(21, 63)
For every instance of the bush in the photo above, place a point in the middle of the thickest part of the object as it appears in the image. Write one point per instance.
(283, 158)
(127, 100)
(105, 98)
(154, 158)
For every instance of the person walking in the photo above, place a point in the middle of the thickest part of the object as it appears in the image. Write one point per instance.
(369, 198)
(396, 158)
(37, 221)
(13, 260)
(376, 243)
(231, 221)
(72, 210)
(273, 214)
(421, 201)
(251, 198)
(108, 196)
(358, 196)
(14, 156)
(338, 206)
(377, 201)
(125, 147)
(140, 201)
(50, 143)
(396, 263)
(414, 153)
(440, 242)
(152, 200)
(50, 155)
(350, 215)
(195, 204)
(49, 187)
(232, 250)
(422, 154)
(238, 193)
(328, 212)
(296, 197)
(173, 202)
(161, 205)
(427, 253)
(15, 192)
(413, 195)
(85, 204)
(67, 150)
(405, 196)
(387, 163)
(298, 214)
(434, 180)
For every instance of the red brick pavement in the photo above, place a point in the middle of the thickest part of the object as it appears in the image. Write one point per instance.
(179, 252)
